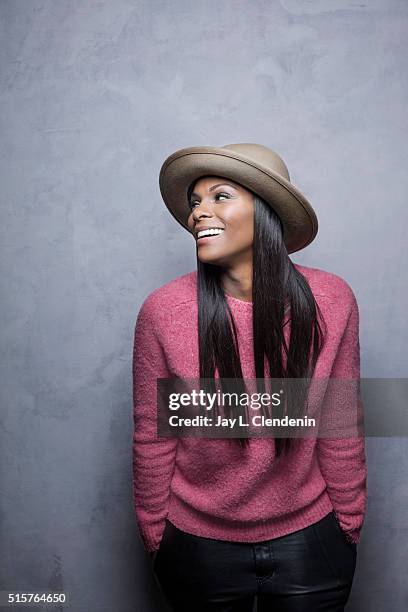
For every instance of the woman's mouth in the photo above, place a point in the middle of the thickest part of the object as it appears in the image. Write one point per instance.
(208, 235)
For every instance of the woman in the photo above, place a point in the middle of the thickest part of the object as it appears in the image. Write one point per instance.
(227, 521)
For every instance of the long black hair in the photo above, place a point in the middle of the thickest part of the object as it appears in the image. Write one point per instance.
(277, 288)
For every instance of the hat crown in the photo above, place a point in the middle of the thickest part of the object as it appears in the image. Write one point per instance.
(261, 155)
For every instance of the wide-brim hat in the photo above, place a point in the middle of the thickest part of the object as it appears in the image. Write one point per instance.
(255, 167)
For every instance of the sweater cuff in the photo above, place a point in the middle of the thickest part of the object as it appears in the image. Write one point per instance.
(151, 536)
(353, 536)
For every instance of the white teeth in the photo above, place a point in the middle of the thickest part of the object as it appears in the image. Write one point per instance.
(209, 232)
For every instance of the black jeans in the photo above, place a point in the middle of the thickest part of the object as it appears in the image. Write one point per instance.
(309, 570)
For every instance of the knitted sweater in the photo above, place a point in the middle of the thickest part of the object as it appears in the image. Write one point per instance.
(212, 487)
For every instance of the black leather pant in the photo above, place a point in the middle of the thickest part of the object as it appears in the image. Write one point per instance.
(309, 570)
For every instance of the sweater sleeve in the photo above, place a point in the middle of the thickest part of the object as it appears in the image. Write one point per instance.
(342, 460)
(153, 457)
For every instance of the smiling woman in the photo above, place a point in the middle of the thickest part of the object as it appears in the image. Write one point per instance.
(228, 520)
(246, 259)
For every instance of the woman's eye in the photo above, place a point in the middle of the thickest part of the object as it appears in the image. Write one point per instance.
(194, 202)
(224, 195)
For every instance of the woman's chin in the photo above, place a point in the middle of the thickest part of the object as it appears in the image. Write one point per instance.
(210, 258)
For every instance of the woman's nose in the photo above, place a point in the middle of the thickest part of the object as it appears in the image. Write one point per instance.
(202, 208)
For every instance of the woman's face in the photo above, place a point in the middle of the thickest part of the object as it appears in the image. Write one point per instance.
(221, 203)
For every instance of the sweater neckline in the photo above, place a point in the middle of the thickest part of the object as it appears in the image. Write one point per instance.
(238, 302)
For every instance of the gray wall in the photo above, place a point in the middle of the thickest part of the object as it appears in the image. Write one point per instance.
(94, 96)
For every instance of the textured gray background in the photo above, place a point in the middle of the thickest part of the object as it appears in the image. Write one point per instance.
(94, 96)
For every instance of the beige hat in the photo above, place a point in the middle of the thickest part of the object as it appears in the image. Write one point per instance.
(253, 166)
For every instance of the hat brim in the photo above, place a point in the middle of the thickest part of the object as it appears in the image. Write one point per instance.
(180, 169)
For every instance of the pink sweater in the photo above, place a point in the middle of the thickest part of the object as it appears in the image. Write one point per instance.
(212, 487)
